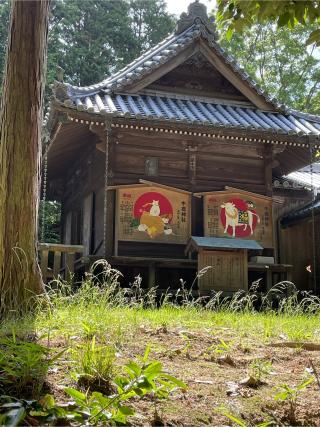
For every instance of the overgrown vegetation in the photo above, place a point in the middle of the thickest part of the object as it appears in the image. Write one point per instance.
(122, 356)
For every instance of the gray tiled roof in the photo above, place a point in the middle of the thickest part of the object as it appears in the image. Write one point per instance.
(109, 96)
(160, 54)
(224, 243)
(308, 176)
(302, 212)
(197, 111)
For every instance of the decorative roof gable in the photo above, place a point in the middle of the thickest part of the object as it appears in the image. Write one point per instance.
(132, 91)
(193, 28)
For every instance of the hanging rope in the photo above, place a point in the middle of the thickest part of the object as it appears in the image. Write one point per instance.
(105, 202)
(314, 270)
(44, 195)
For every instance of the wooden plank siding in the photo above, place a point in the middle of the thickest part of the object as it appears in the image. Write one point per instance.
(217, 165)
(300, 248)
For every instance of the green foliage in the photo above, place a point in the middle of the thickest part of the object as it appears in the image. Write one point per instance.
(23, 366)
(90, 39)
(138, 380)
(238, 421)
(4, 27)
(49, 220)
(222, 347)
(108, 312)
(28, 365)
(150, 23)
(13, 412)
(291, 394)
(279, 61)
(145, 378)
(259, 369)
(92, 365)
(240, 14)
(87, 38)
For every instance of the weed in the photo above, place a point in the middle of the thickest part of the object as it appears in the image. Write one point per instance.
(89, 329)
(238, 421)
(290, 395)
(100, 309)
(23, 366)
(137, 380)
(93, 365)
(222, 349)
(259, 369)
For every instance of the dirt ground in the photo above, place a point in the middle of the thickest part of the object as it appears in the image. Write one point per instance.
(216, 365)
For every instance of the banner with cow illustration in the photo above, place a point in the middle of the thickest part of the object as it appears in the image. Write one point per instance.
(239, 215)
(153, 214)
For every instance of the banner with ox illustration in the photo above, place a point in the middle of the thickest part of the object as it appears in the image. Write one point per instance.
(153, 214)
(239, 215)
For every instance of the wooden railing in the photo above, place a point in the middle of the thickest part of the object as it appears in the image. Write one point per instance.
(63, 262)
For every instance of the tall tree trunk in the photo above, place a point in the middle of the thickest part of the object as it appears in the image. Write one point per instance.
(20, 150)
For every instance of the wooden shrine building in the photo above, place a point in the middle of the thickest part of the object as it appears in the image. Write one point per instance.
(179, 144)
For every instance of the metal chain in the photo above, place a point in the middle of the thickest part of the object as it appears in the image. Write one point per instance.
(314, 270)
(44, 195)
(105, 202)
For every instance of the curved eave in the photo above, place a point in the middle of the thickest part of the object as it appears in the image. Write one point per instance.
(188, 112)
(291, 150)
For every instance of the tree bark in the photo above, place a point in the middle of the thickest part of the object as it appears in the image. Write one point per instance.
(20, 150)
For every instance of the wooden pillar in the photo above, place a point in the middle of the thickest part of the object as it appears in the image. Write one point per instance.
(151, 275)
(268, 165)
(87, 223)
(110, 222)
(269, 279)
(106, 145)
(192, 172)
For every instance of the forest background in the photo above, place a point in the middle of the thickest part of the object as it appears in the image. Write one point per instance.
(91, 39)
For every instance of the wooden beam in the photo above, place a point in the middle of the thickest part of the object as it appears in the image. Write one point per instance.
(70, 267)
(110, 220)
(56, 264)
(228, 190)
(268, 164)
(60, 248)
(167, 187)
(120, 186)
(151, 275)
(260, 196)
(44, 264)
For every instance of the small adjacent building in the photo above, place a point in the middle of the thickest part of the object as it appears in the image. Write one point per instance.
(180, 144)
(300, 244)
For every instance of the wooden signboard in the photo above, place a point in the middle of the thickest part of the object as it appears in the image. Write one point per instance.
(153, 214)
(239, 214)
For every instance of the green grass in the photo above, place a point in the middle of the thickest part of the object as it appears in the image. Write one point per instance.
(68, 321)
(99, 328)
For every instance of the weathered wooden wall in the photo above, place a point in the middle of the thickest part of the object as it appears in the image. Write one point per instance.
(300, 246)
(189, 163)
